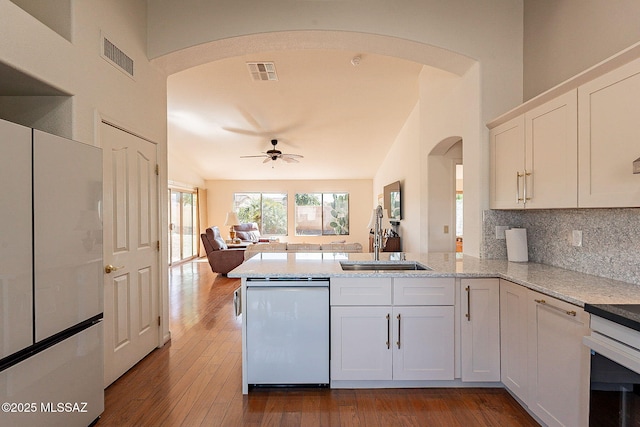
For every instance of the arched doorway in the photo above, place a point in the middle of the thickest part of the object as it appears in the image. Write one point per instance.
(445, 196)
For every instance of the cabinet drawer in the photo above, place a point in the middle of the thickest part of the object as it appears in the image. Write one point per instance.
(423, 291)
(365, 291)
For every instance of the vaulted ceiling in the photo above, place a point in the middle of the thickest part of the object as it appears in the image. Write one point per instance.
(341, 110)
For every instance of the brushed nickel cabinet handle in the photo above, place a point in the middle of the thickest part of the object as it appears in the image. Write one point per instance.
(398, 343)
(468, 315)
(567, 312)
(388, 331)
(518, 199)
(525, 175)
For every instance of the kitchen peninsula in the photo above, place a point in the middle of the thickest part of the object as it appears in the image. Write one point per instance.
(462, 322)
(570, 286)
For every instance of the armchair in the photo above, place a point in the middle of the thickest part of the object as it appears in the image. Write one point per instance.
(248, 232)
(221, 259)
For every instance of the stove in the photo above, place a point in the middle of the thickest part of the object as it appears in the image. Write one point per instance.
(624, 314)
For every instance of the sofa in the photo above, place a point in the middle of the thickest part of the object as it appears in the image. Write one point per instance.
(251, 250)
(222, 259)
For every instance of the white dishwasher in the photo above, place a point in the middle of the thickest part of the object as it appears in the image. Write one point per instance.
(287, 323)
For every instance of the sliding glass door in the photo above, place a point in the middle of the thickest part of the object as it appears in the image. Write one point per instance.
(183, 233)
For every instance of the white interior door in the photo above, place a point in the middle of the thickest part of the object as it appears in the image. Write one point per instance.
(130, 245)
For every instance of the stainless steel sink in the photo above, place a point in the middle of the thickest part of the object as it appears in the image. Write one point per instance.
(382, 266)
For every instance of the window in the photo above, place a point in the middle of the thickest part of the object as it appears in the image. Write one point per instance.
(322, 214)
(268, 210)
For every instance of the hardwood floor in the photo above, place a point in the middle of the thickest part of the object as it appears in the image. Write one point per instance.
(195, 380)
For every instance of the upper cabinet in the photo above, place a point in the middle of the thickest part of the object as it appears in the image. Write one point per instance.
(534, 157)
(609, 138)
(551, 157)
(507, 164)
(573, 146)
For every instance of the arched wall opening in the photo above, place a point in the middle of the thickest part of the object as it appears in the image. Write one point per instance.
(442, 191)
(464, 96)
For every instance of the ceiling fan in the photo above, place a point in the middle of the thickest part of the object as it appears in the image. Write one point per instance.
(275, 154)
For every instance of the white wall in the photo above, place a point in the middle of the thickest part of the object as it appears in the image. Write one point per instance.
(402, 163)
(565, 37)
(181, 172)
(450, 108)
(446, 34)
(220, 201)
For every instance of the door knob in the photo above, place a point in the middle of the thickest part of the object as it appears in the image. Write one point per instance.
(109, 268)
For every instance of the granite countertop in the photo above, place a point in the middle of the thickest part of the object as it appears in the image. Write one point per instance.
(570, 286)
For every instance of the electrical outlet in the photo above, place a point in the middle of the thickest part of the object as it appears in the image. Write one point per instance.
(446, 229)
(500, 229)
(576, 238)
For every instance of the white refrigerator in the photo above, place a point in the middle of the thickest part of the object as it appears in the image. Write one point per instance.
(51, 357)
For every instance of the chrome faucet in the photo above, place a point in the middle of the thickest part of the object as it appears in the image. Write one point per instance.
(377, 234)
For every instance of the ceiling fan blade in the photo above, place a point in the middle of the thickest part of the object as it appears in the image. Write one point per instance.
(289, 159)
(246, 157)
(266, 160)
(299, 156)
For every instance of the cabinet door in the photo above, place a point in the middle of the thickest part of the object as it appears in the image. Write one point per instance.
(608, 139)
(423, 291)
(551, 142)
(480, 329)
(507, 163)
(558, 361)
(513, 338)
(423, 346)
(360, 291)
(361, 343)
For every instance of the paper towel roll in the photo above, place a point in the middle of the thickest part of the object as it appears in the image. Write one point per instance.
(517, 245)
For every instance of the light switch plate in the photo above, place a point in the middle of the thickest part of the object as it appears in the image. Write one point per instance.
(636, 165)
(576, 237)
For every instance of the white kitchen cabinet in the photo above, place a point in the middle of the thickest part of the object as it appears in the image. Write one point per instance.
(513, 338)
(422, 342)
(558, 361)
(361, 343)
(373, 338)
(507, 164)
(609, 132)
(551, 154)
(534, 157)
(480, 329)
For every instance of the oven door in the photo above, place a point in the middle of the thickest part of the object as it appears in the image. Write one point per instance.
(615, 383)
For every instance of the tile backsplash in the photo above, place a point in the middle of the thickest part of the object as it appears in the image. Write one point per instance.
(610, 239)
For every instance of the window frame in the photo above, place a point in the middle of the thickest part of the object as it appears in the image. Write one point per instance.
(326, 229)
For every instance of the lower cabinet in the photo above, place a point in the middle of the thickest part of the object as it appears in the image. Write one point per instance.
(379, 342)
(513, 339)
(544, 362)
(392, 343)
(480, 329)
(558, 361)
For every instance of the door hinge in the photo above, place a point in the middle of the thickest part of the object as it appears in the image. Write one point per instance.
(158, 245)
(158, 320)
(157, 170)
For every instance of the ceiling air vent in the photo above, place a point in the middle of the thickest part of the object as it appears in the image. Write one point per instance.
(116, 57)
(262, 71)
